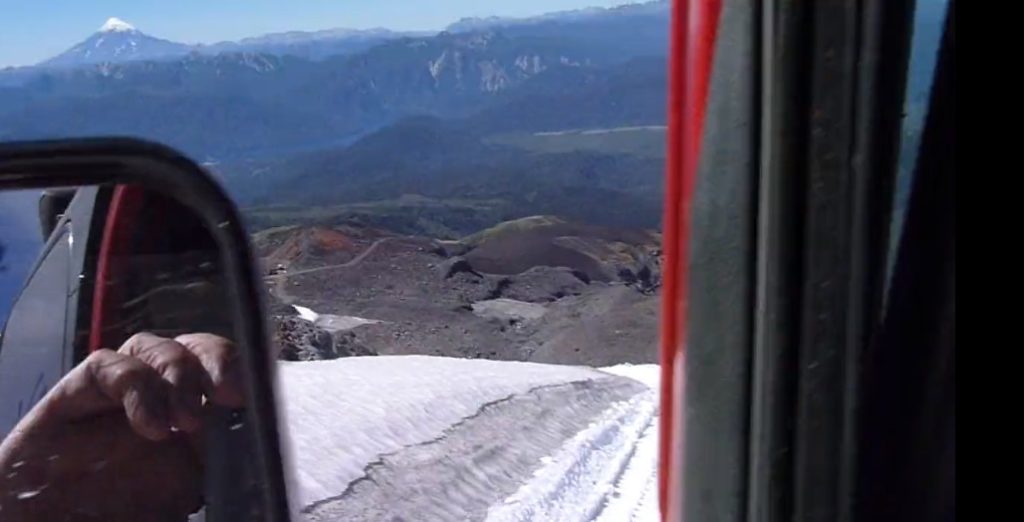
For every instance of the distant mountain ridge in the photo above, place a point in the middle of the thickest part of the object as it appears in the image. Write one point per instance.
(312, 45)
(657, 7)
(411, 115)
(240, 104)
(118, 42)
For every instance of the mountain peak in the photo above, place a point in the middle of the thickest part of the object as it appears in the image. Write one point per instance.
(116, 25)
(117, 42)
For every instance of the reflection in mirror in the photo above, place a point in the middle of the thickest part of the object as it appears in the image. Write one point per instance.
(120, 392)
(20, 242)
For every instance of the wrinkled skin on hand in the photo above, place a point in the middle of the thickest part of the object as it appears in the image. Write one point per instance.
(119, 437)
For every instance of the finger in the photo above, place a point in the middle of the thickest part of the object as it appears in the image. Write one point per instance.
(123, 380)
(220, 357)
(179, 367)
(106, 386)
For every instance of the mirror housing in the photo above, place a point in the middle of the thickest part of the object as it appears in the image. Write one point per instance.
(50, 165)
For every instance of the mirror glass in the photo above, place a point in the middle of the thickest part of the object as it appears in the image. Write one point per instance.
(120, 388)
(20, 243)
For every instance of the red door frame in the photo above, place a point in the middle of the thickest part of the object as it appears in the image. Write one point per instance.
(694, 27)
(122, 217)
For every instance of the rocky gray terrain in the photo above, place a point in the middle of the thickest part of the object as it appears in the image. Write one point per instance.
(540, 290)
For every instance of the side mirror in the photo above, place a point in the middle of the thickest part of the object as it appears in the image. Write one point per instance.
(111, 406)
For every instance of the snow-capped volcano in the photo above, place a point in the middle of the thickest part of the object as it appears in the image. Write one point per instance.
(118, 41)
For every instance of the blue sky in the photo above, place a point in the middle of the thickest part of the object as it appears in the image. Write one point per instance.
(33, 30)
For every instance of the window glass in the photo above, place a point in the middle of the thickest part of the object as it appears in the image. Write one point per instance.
(929, 17)
(456, 210)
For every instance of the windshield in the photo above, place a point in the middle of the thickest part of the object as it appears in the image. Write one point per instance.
(456, 210)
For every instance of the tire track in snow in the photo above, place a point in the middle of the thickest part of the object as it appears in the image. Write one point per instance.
(634, 496)
(480, 460)
(580, 482)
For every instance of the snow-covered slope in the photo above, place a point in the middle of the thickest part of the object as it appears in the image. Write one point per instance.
(344, 414)
(431, 438)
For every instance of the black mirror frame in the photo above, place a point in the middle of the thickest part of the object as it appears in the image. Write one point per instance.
(77, 162)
